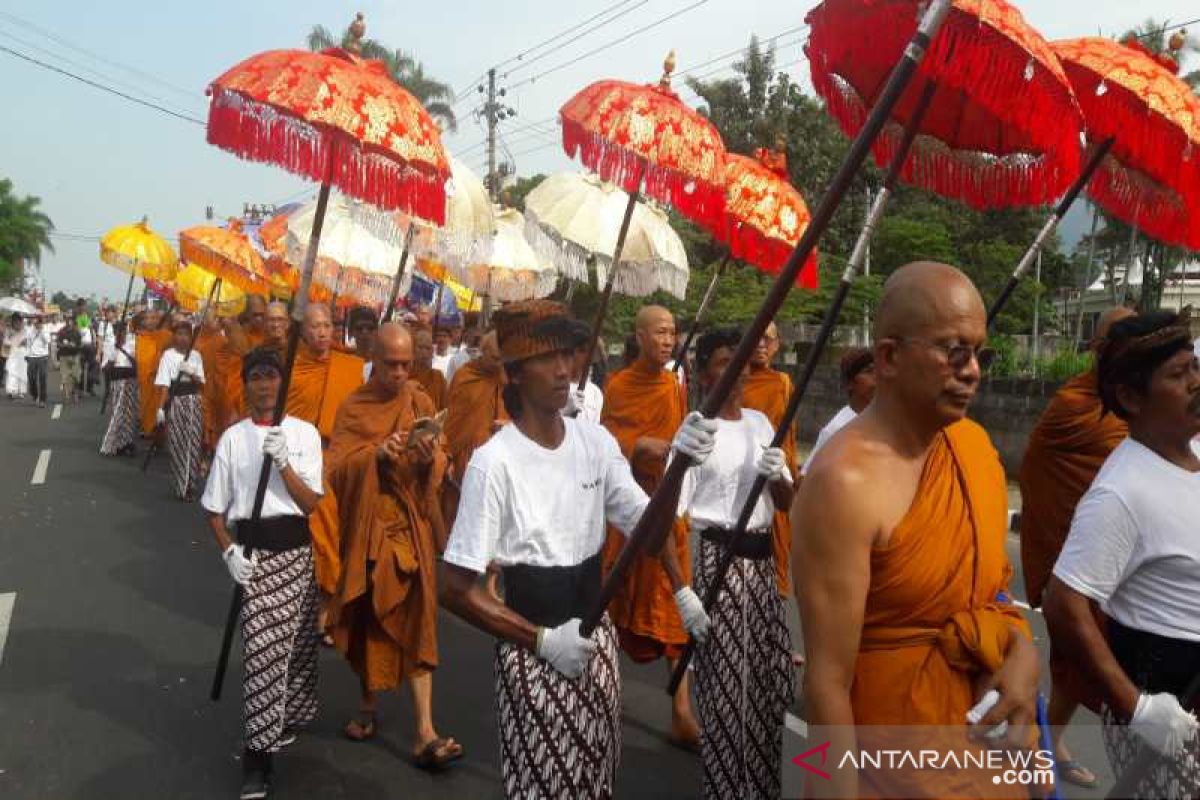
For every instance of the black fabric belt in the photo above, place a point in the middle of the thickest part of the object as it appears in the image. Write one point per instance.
(275, 533)
(549, 596)
(121, 373)
(753, 544)
(1153, 662)
(64, 351)
(184, 388)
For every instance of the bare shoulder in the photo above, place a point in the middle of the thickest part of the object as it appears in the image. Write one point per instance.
(853, 459)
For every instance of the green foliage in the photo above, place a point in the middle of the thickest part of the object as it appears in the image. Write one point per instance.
(1057, 366)
(437, 97)
(24, 232)
(514, 195)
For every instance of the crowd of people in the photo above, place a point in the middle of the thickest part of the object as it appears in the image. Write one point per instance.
(419, 468)
(75, 341)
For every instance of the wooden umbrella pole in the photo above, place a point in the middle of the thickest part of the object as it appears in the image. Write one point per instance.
(337, 288)
(651, 530)
(606, 296)
(264, 473)
(681, 353)
(153, 449)
(128, 294)
(437, 306)
(394, 294)
(1048, 229)
(828, 324)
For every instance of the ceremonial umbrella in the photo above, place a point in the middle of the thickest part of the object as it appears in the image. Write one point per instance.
(643, 138)
(513, 270)
(228, 254)
(15, 305)
(574, 218)
(341, 120)
(139, 251)
(193, 284)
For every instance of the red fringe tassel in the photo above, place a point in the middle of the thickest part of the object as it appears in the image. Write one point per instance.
(769, 255)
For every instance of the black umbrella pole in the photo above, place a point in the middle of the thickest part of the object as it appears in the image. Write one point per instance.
(681, 353)
(1060, 211)
(264, 473)
(602, 311)
(651, 531)
(394, 295)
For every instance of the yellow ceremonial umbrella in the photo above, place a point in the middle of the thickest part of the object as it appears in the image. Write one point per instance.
(193, 285)
(141, 252)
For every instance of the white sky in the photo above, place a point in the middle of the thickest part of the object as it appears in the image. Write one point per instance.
(97, 161)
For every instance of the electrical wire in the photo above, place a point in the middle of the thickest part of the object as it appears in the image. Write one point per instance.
(741, 50)
(574, 39)
(101, 86)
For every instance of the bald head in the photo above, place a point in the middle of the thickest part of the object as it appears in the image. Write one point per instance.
(423, 349)
(277, 322)
(318, 328)
(655, 330)
(924, 295)
(392, 357)
(768, 347)
(255, 313)
(489, 351)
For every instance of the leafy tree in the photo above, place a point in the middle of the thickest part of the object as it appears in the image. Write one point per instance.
(24, 232)
(404, 68)
(514, 196)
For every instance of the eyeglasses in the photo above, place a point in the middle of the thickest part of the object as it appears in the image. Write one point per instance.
(957, 356)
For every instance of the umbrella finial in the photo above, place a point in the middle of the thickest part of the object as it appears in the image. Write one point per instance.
(668, 67)
(356, 31)
(1178, 40)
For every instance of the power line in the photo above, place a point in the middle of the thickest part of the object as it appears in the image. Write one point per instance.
(722, 67)
(101, 86)
(575, 38)
(517, 134)
(613, 43)
(742, 50)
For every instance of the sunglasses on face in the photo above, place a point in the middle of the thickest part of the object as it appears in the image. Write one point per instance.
(958, 356)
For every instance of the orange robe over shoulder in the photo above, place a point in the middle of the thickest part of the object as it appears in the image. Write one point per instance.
(383, 615)
(434, 384)
(643, 402)
(207, 345)
(937, 614)
(1066, 450)
(473, 407)
(318, 388)
(768, 390)
(149, 348)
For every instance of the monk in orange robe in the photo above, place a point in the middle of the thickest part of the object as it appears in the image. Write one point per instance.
(208, 341)
(1072, 439)
(276, 327)
(153, 337)
(322, 378)
(899, 558)
(384, 614)
(241, 336)
(768, 390)
(431, 380)
(474, 407)
(644, 405)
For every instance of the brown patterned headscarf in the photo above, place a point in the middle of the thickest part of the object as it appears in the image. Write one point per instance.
(1137, 346)
(532, 328)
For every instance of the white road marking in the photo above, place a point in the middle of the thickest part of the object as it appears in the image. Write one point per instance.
(57, 412)
(6, 607)
(795, 724)
(39, 471)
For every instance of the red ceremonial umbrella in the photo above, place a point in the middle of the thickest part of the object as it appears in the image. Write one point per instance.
(341, 120)
(643, 137)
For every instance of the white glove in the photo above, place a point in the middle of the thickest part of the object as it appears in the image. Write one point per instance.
(275, 445)
(695, 437)
(160, 416)
(1163, 723)
(772, 465)
(565, 649)
(691, 611)
(240, 567)
(980, 710)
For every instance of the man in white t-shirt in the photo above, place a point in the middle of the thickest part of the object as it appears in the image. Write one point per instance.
(535, 499)
(858, 379)
(443, 349)
(744, 674)
(179, 381)
(588, 402)
(273, 562)
(1133, 548)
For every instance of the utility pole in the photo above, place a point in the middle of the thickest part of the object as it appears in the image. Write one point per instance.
(490, 110)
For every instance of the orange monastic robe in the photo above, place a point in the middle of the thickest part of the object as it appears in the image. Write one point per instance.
(150, 346)
(231, 405)
(434, 384)
(767, 390)
(1066, 450)
(937, 613)
(644, 401)
(473, 408)
(207, 345)
(317, 389)
(384, 622)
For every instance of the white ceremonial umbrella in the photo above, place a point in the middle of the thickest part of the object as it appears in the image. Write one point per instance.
(15, 305)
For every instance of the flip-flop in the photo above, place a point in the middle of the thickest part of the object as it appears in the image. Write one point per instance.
(1073, 772)
(438, 753)
(361, 728)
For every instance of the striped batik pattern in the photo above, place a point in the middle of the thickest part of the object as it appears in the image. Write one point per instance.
(185, 442)
(744, 678)
(123, 425)
(279, 647)
(1166, 777)
(559, 738)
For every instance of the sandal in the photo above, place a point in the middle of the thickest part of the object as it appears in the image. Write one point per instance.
(1073, 772)
(438, 753)
(361, 728)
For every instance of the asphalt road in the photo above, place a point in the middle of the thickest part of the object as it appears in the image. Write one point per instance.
(111, 600)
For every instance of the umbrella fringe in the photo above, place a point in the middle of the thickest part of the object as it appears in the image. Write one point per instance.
(260, 132)
(569, 258)
(699, 200)
(1143, 202)
(968, 55)
(748, 245)
(644, 278)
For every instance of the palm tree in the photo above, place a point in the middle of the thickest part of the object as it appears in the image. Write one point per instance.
(24, 232)
(436, 96)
